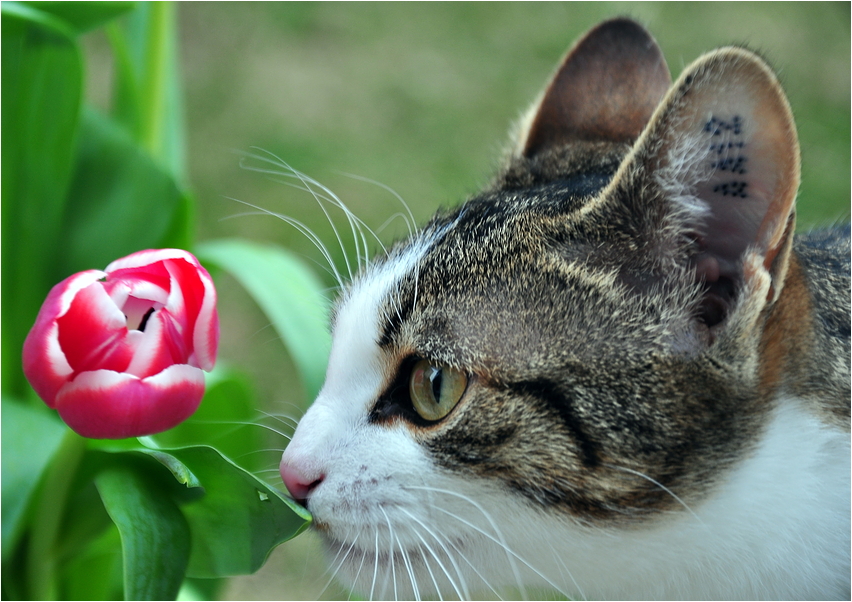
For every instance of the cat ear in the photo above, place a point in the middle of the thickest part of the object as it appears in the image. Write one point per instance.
(606, 88)
(722, 154)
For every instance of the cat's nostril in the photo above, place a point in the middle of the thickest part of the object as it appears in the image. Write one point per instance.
(299, 485)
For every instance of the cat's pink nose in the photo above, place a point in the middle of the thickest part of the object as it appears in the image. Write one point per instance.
(299, 485)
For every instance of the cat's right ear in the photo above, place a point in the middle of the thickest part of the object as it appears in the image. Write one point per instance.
(606, 88)
(719, 166)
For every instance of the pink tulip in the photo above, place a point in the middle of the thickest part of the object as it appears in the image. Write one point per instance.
(120, 353)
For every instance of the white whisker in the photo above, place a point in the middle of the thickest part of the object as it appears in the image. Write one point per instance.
(339, 565)
(304, 230)
(408, 223)
(306, 182)
(282, 418)
(407, 561)
(475, 570)
(375, 566)
(464, 593)
(390, 553)
(510, 555)
(660, 485)
(311, 186)
(429, 570)
(567, 570)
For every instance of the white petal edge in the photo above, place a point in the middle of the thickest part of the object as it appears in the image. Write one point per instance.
(146, 345)
(176, 305)
(144, 258)
(105, 307)
(58, 362)
(106, 379)
(203, 323)
(142, 289)
(74, 285)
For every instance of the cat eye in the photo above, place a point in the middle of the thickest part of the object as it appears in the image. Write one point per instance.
(435, 389)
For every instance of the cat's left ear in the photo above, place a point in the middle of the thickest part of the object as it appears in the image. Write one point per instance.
(718, 165)
(605, 89)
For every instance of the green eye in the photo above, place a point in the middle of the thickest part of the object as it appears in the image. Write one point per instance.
(435, 389)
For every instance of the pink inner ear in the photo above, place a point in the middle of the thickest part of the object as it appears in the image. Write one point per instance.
(607, 88)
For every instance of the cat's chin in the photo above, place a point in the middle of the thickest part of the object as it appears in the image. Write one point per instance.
(378, 571)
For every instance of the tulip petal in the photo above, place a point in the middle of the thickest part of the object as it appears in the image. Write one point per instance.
(139, 288)
(185, 299)
(149, 257)
(44, 363)
(205, 339)
(199, 306)
(154, 350)
(149, 265)
(93, 332)
(150, 280)
(103, 404)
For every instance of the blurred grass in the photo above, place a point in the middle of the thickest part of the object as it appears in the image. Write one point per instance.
(419, 97)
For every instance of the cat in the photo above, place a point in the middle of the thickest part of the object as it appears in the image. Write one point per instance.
(615, 373)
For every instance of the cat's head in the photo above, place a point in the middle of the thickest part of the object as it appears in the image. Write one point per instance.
(544, 376)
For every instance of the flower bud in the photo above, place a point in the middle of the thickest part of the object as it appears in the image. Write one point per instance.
(120, 353)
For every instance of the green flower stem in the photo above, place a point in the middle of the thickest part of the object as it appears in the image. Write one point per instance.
(154, 79)
(47, 517)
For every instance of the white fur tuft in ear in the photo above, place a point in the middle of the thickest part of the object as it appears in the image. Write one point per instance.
(685, 167)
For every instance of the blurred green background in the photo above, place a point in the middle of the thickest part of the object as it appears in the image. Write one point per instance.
(419, 97)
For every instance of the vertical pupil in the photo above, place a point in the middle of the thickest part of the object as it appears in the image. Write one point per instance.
(435, 378)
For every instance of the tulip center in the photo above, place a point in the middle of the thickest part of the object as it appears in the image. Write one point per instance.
(138, 311)
(145, 319)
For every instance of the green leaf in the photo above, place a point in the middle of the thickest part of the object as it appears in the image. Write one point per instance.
(289, 294)
(235, 519)
(238, 521)
(82, 16)
(122, 199)
(42, 88)
(154, 533)
(30, 438)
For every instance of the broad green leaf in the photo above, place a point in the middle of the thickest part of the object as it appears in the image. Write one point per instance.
(82, 16)
(155, 537)
(238, 521)
(30, 438)
(235, 519)
(288, 293)
(42, 88)
(122, 199)
(179, 470)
